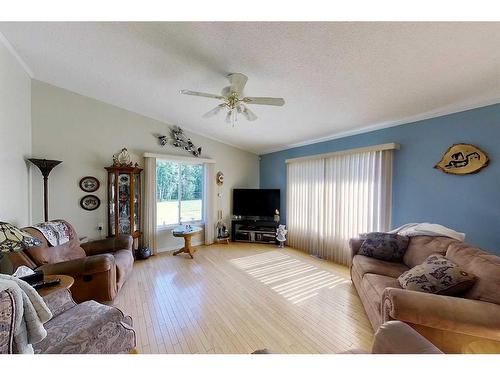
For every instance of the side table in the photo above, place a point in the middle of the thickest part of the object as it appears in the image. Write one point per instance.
(66, 283)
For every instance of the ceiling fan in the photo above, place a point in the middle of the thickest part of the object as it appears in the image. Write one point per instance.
(234, 101)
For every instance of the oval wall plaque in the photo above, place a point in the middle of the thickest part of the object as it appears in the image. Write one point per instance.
(90, 202)
(463, 158)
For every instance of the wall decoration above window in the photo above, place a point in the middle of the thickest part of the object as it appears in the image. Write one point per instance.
(89, 184)
(463, 158)
(179, 139)
(90, 202)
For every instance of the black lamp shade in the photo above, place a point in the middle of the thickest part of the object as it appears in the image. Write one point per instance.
(45, 167)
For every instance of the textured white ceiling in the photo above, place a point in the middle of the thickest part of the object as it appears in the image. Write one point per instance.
(336, 78)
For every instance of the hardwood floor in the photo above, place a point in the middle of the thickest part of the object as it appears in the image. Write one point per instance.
(238, 298)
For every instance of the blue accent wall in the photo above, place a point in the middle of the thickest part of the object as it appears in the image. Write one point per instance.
(421, 193)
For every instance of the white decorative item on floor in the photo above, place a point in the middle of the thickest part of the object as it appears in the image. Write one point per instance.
(281, 235)
(233, 100)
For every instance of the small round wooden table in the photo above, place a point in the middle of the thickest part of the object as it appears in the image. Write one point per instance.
(66, 283)
(186, 232)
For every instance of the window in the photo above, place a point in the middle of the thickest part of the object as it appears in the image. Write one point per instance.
(333, 198)
(179, 192)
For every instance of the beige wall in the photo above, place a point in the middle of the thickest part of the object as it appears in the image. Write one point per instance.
(15, 139)
(84, 133)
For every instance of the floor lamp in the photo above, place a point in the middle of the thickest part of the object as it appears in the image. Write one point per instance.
(45, 167)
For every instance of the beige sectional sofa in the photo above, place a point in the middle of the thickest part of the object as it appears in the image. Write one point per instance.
(453, 324)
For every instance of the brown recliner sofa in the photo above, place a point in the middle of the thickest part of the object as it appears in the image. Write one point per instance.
(453, 324)
(99, 268)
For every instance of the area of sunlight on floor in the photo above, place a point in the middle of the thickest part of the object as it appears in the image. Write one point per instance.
(293, 279)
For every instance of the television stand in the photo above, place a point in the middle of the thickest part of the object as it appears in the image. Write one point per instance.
(257, 231)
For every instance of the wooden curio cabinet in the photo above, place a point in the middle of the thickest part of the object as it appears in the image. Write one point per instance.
(124, 202)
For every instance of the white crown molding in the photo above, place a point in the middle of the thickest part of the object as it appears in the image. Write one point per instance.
(14, 53)
(443, 111)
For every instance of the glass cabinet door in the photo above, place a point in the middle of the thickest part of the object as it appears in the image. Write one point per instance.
(111, 203)
(137, 203)
(124, 203)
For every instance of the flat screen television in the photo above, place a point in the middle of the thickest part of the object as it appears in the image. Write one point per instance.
(255, 202)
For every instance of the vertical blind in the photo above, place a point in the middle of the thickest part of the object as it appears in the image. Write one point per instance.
(334, 198)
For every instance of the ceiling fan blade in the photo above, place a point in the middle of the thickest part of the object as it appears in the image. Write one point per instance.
(264, 100)
(204, 94)
(229, 116)
(249, 115)
(238, 82)
(214, 111)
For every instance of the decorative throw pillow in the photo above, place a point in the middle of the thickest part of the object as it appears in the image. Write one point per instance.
(384, 246)
(437, 275)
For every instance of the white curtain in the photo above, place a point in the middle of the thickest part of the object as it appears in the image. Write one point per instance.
(209, 203)
(149, 233)
(335, 198)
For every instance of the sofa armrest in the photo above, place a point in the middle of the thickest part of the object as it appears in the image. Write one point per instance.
(460, 315)
(108, 245)
(355, 244)
(79, 267)
(396, 337)
(59, 301)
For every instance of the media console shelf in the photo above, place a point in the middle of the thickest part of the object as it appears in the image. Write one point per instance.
(258, 231)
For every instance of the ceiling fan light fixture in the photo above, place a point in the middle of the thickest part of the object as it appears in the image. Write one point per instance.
(234, 100)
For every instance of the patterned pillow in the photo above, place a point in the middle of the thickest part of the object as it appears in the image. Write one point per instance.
(437, 275)
(384, 246)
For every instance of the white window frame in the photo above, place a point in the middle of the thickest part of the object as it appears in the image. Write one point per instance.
(185, 161)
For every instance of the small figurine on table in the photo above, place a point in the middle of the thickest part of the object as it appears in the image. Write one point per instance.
(280, 235)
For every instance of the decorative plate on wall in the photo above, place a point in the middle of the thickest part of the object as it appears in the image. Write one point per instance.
(90, 202)
(89, 184)
(463, 158)
(220, 178)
